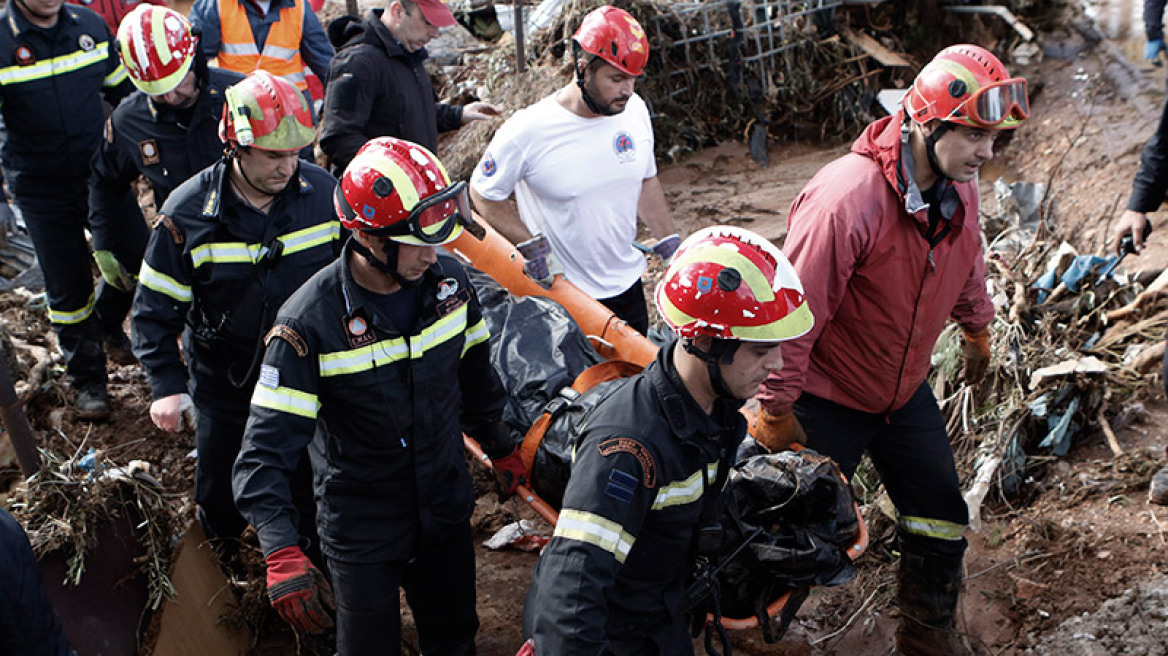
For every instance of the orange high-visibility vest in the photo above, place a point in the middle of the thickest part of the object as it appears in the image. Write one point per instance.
(281, 55)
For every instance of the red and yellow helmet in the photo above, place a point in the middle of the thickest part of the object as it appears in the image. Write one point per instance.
(730, 283)
(968, 85)
(267, 112)
(157, 47)
(398, 189)
(616, 37)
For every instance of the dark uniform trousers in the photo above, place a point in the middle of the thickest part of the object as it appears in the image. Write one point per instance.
(55, 212)
(909, 448)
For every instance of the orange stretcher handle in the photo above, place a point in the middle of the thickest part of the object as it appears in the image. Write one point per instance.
(495, 256)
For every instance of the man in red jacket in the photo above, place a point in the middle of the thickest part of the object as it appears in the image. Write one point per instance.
(887, 243)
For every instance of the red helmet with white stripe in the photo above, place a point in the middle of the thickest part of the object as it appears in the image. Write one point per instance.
(157, 47)
(729, 283)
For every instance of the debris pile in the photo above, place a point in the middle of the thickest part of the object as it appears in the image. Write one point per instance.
(1074, 346)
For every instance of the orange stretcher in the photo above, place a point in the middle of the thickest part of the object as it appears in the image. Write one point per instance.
(626, 351)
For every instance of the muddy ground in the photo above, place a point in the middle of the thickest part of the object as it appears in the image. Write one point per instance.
(1077, 565)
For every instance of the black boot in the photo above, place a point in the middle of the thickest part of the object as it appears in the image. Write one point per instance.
(928, 587)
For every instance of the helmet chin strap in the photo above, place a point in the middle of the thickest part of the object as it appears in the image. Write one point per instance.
(721, 351)
(592, 106)
(243, 173)
(389, 266)
(931, 148)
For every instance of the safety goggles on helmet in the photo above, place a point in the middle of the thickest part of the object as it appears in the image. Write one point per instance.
(992, 105)
(435, 220)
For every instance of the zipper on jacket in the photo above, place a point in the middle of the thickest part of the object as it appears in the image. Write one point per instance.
(908, 345)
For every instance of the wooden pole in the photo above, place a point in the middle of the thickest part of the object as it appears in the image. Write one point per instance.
(520, 57)
(16, 423)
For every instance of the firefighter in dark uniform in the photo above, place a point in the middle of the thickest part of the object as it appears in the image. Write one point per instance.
(231, 244)
(652, 456)
(56, 63)
(380, 362)
(167, 131)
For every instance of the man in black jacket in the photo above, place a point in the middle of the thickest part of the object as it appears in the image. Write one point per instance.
(167, 130)
(378, 364)
(378, 86)
(652, 456)
(56, 64)
(230, 245)
(28, 624)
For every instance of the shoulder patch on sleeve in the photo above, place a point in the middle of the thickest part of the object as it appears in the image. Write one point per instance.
(175, 233)
(637, 450)
(288, 334)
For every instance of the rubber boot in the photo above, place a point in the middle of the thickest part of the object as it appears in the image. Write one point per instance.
(927, 592)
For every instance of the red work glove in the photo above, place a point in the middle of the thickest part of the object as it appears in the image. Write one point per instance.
(298, 591)
(510, 473)
(777, 432)
(528, 649)
(977, 356)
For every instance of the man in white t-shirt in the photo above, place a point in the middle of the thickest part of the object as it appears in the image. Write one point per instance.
(580, 163)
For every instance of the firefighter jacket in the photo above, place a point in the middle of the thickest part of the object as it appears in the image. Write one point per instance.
(1150, 185)
(51, 86)
(881, 290)
(221, 269)
(244, 38)
(383, 409)
(645, 466)
(378, 89)
(165, 144)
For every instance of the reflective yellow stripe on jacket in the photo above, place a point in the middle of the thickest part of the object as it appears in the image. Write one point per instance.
(595, 530)
(281, 55)
(387, 351)
(238, 252)
(63, 64)
(164, 284)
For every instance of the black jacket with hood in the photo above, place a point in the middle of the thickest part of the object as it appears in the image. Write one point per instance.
(378, 89)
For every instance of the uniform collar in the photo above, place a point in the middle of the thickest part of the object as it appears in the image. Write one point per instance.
(687, 421)
(220, 184)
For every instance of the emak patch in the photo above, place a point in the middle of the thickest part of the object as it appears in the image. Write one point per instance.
(358, 332)
(450, 296)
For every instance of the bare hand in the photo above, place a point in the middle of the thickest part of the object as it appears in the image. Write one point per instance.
(480, 111)
(1130, 223)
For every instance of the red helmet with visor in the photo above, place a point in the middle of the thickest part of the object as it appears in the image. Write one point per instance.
(968, 85)
(616, 37)
(398, 189)
(157, 47)
(730, 283)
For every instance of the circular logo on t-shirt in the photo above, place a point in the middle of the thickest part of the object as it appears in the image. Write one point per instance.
(624, 146)
(488, 165)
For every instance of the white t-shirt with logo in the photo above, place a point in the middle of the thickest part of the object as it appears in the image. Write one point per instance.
(577, 181)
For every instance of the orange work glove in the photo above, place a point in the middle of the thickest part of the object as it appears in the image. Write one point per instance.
(977, 355)
(298, 591)
(777, 432)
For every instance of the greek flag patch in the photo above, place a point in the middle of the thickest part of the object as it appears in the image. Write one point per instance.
(269, 376)
(621, 485)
